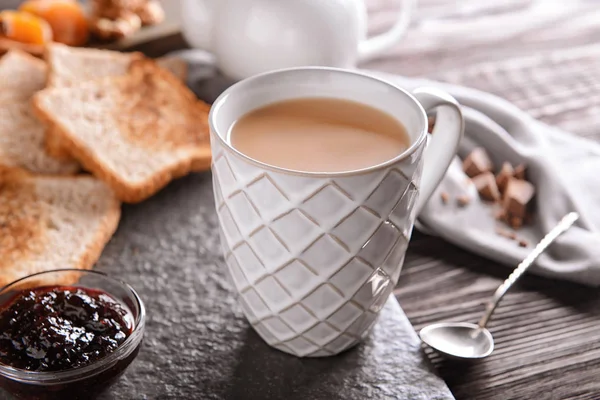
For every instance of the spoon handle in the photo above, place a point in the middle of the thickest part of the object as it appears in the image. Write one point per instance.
(561, 227)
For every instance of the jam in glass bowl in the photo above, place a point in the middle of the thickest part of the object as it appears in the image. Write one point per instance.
(67, 334)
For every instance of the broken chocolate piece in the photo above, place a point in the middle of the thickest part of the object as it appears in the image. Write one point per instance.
(520, 171)
(430, 124)
(486, 186)
(463, 200)
(517, 196)
(515, 222)
(445, 197)
(506, 172)
(477, 162)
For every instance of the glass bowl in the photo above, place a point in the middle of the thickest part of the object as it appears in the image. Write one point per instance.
(87, 381)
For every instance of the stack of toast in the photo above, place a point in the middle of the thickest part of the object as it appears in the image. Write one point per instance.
(80, 132)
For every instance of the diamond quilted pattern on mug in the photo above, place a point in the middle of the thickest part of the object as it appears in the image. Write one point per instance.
(279, 328)
(325, 256)
(351, 277)
(252, 318)
(268, 199)
(341, 343)
(269, 248)
(375, 251)
(296, 230)
(323, 301)
(402, 214)
(356, 228)
(368, 293)
(253, 267)
(272, 292)
(230, 229)
(414, 165)
(298, 318)
(297, 278)
(359, 327)
(244, 213)
(301, 346)
(381, 299)
(264, 333)
(256, 304)
(217, 190)
(243, 171)
(225, 176)
(359, 187)
(224, 245)
(321, 334)
(327, 206)
(236, 273)
(387, 194)
(297, 188)
(346, 315)
(396, 274)
(393, 263)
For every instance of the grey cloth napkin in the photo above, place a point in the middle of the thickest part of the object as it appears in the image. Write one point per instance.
(563, 168)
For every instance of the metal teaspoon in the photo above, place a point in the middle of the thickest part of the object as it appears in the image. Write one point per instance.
(466, 340)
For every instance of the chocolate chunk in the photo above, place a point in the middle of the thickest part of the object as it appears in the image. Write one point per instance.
(523, 243)
(430, 124)
(463, 200)
(477, 162)
(517, 196)
(486, 186)
(515, 222)
(520, 171)
(506, 172)
(445, 197)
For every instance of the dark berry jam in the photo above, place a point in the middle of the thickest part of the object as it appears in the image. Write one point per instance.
(61, 327)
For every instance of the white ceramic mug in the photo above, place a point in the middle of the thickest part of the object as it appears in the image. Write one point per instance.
(248, 37)
(314, 256)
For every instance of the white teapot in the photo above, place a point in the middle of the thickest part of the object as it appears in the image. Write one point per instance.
(248, 37)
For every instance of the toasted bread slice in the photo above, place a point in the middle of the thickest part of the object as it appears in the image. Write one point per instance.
(70, 66)
(175, 65)
(49, 222)
(22, 138)
(135, 132)
(21, 76)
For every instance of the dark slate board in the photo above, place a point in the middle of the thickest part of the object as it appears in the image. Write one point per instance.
(198, 344)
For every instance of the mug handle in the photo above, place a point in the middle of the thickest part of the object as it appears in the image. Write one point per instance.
(443, 142)
(371, 48)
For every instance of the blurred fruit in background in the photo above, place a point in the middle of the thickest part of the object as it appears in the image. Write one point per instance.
(33, 23)
(24, 27)
(66, 18)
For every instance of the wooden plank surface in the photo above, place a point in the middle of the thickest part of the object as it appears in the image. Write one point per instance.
(539, 54)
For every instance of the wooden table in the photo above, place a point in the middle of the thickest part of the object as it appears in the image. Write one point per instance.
(539, 54)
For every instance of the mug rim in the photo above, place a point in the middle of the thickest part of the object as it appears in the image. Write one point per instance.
(422, 136)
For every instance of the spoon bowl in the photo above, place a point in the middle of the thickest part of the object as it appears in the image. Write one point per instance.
(471, 341)
(459, 339)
